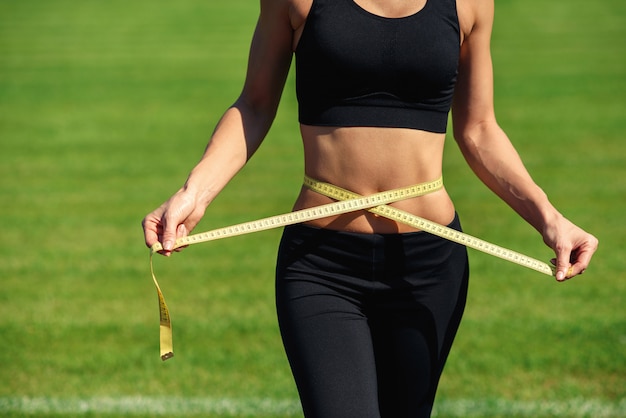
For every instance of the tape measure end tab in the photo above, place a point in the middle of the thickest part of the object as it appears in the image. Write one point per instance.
(167, 356)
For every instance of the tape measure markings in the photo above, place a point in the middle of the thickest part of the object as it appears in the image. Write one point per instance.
(318, 212)
(166, 345)
(303, 215)
(434, 228)
(347, 202)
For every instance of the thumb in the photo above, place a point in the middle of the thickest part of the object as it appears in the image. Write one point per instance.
(563, 264)
(169, 235)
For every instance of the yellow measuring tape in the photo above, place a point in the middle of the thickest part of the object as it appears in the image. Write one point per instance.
(435, 228)
(347, 202)
(165, 332)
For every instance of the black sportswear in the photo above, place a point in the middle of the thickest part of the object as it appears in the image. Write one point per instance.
(368, 320)
(355, 68)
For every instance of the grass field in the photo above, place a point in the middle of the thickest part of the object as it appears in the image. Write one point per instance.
(105, 106)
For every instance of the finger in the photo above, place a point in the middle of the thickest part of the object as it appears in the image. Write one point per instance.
(563, 264)
(581, 259)
(150, 231)
(169, 235)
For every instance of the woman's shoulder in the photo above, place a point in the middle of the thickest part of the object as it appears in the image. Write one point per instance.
(473, 14)
(295, 11)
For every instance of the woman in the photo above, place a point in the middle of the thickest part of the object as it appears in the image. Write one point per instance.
(368, 307)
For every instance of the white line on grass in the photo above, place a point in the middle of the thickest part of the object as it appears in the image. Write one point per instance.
(255, 407)
(572, 408)
(165, 406)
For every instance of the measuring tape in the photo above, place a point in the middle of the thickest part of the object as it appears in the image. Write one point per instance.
(166, 344)
(347, 202)
(434, 228)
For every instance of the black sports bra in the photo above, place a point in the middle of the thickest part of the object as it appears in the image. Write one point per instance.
(355, 68)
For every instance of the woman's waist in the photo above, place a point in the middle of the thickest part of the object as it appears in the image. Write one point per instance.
(435, 206)
(368, 160)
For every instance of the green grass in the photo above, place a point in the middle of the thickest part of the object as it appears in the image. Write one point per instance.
(105, 106)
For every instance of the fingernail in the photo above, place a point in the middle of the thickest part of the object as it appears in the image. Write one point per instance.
(167, 245)
(560, 276)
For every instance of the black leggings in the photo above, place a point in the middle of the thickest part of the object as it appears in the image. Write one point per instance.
(368, 320)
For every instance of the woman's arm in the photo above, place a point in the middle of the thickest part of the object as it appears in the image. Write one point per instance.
(239, 132)
(491, 155)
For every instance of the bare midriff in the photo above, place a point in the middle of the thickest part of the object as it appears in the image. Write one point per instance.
(368, 160)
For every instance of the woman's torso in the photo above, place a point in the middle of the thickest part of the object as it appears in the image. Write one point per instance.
(367, 160)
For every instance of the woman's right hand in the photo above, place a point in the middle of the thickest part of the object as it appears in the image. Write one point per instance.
(174, 219)
(240, 131)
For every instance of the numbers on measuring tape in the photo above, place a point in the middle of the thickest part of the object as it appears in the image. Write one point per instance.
(435, 228)
(347, 202)
(345, 205)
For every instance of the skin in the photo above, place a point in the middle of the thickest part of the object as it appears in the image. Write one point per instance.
(360, 159)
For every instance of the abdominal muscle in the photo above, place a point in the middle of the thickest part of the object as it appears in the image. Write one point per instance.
(368, 160)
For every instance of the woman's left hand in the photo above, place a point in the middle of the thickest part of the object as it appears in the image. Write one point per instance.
(573, 247)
